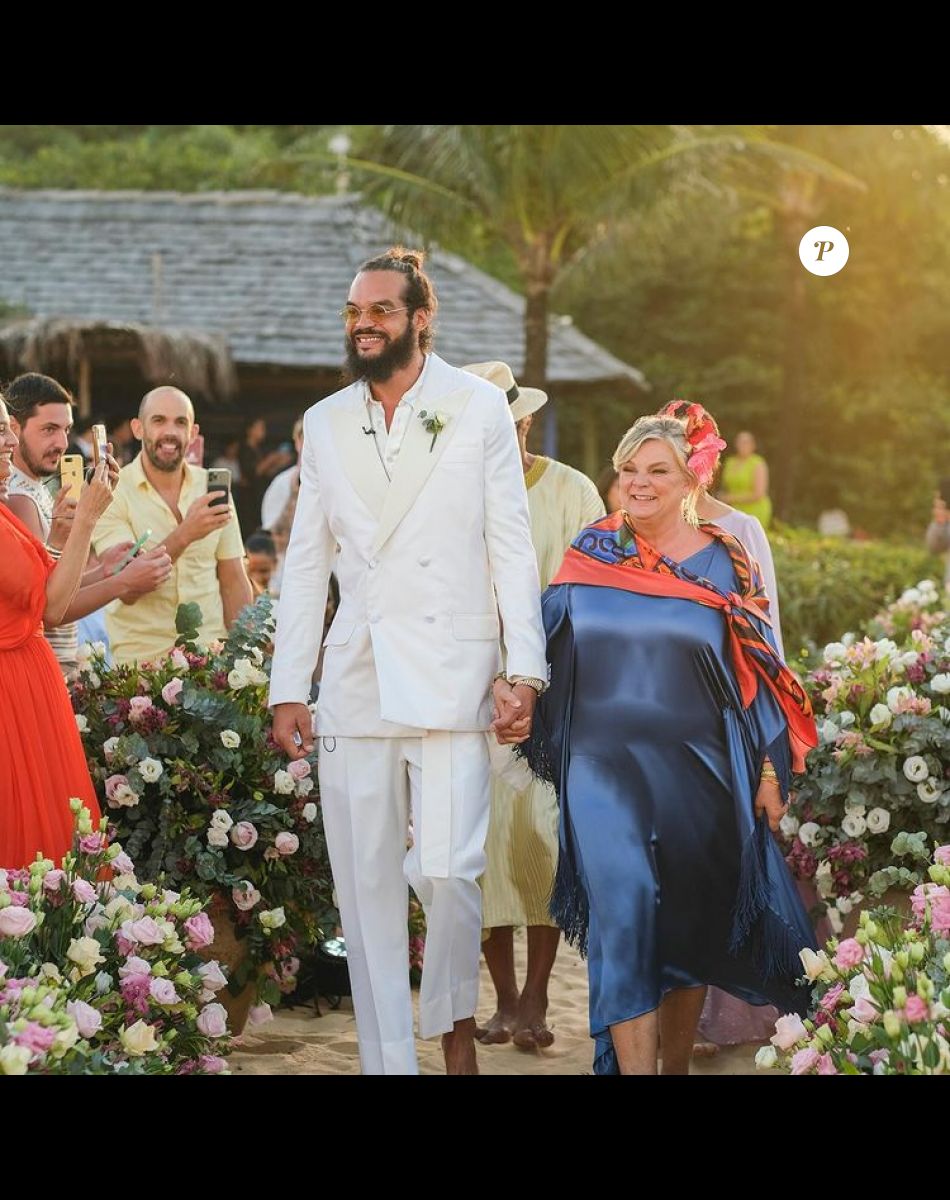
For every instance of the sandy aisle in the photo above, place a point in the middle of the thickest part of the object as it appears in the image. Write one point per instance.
(297, 1042)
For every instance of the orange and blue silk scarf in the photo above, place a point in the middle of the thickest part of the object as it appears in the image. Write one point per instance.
(610, 553)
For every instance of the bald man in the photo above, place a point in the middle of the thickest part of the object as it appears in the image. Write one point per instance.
(160, 492)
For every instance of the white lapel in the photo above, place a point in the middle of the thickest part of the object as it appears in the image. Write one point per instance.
(358, 453)
(418, 455)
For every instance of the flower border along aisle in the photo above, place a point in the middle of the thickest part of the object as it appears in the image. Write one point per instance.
(182, 756)
(876, 793)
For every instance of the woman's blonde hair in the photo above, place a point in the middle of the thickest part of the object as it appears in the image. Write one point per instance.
(673, 433)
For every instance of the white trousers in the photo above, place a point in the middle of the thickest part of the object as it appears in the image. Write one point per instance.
(370, 789)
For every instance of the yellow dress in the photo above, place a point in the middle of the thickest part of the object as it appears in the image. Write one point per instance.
(521, 847)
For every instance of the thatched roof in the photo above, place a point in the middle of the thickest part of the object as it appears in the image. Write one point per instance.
(196, 362)
(266, 271)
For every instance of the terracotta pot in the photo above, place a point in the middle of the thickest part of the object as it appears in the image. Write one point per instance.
(894, 897)
(229, 952)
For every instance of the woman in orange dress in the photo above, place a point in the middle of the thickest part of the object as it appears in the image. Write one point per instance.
(42, 763)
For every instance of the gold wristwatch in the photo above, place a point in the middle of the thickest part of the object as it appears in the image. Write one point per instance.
(539, 685)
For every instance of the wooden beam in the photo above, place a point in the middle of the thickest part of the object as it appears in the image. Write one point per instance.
(85, 387)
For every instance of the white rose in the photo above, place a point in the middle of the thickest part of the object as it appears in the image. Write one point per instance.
(81, 723)
(911, 596)
(817, 966)
(222, 819)
(846, 719)
(858, 986)
(834, 653)
(304, 786)
(272, 918)
(941, 684)
(929, 791)
(854, 825)
(138, 1039)
(766, 1058)
(217, 836)
(907, 659)
(843, 905)
(808, 833)
(92, 680)
(879, 820)
(835, 921)
(896, 695)
(915, 768)
(927, 585)
(229, 739)
(884, 648)
(150, 769)
(15, 1060)
(124, 796)
(85, 953)
(943, 713)
(881, 716)
(283, 783)
(309, 812)
(857, 809)
(789, 825)
(108, 747)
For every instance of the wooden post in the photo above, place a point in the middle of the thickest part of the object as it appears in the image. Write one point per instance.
(85, 387)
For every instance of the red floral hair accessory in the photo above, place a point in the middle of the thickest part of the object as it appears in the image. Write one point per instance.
(702, 433)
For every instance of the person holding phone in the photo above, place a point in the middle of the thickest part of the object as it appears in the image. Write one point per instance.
(937, 537)
(162, 492)
(42, 761)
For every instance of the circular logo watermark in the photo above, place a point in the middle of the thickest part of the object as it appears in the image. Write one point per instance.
(824, 250)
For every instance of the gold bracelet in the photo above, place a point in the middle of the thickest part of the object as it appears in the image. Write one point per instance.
(768, 772)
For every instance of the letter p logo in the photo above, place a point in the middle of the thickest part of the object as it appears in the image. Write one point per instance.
(823, 250)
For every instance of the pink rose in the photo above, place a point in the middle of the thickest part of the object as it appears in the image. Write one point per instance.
(134, 966)
(299, 769)
(879, 1056)
(212, 977)
(200, 931)
(19, 899)
(244, 835)
(83, 891)
(90, 843)
(211, 1064)
(139, 708)
(916, 1009)
(260, 1014)
(863, 1011)
(849, 953)
(113, 783)
(88, 1019)
(942, 856)
(826, 1065)
(123, 865)
(829, 1000)
(145, 931)
(287, 843)
(245, 896)
(163, 991)
(804, 1061)
(788, 1030)
(171, 691)
(53, 880)
(35, 1037)
(16, 922)
(213, 1020)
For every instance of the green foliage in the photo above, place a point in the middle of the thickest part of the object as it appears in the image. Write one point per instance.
(830, 585)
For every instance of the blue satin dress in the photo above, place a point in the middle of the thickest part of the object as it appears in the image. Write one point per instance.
(665, 876)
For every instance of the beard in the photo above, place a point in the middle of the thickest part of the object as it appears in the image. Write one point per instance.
(168, 465)
(36, 466)
(398, 353)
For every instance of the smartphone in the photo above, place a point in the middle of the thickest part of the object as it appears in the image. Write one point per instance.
(131, 552)
(72, 468)
(219, 480)
(100, 441)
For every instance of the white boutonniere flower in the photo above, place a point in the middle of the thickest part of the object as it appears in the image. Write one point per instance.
(433, 423)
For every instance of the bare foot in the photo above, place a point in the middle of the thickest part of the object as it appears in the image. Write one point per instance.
(531, 1031)
(499, 1029)
(459, 1049)
(704, 1049)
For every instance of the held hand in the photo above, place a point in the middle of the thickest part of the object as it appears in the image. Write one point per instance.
(97, 494)
(203, 517)
(110, 559)
(144, 573)
(64, 512)
(515, 709)
(291, 719)
(768, 799)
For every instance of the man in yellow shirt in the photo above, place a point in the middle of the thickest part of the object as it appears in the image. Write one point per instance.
(159, 491)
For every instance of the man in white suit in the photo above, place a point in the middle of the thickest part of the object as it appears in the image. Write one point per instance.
(414, 472)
